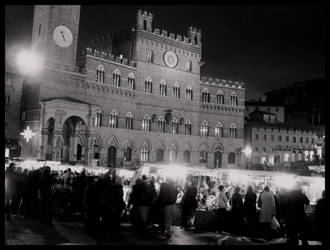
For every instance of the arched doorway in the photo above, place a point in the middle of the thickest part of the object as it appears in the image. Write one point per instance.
(160, 155)
(186, 156)
(217, 159)
(112, 151)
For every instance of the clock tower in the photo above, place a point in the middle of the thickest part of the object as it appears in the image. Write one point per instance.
(55, 34)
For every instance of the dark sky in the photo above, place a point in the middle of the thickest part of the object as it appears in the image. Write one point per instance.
(265, 46)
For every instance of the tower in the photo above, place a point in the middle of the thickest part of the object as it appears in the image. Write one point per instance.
(144, 21)
(55, 34)
(195, 35)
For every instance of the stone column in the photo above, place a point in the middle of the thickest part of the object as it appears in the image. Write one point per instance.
(57, 145)
(89, 147)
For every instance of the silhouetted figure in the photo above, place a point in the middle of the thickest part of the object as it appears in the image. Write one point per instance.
(320, 219)
(189, 204)
(10, 188)
(250, 211)
(46, 192)
(266, 202)
(237, 211)
(221, 201)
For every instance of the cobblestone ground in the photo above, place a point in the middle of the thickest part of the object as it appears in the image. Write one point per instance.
(29, 231)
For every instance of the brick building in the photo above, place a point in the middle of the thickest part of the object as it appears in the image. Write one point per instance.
(135, 96)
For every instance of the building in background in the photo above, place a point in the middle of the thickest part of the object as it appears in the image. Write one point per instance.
(136, 96)
(276, 110)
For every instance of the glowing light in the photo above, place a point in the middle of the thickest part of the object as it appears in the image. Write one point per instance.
(175, 171)
(286, 181)
(247, 151)
(28, 62)
(27, 134)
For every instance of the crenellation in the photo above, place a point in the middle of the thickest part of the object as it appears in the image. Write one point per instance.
(172, 36)
(164, 33)
(179, 38)
(186, 40)
(156, 32)
(221, 82)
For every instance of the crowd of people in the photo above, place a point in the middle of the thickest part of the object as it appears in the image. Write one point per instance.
(258, 211)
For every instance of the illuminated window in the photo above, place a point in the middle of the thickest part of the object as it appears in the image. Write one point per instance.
(116, 78)
(148, 85)
(151, 56)
(113, 120)
(175, 126)
(187, 128)
(163, 88)
(100, 74)
(189, 66)
(161, 125)
(131, 81)
(144, 155)
(204, 129)
(176, 90)
(129, 121)
(146, 123)
(189, 93)
(233, 131)
(97, 118)
(233, 99)
(219, 130)
(220, 97)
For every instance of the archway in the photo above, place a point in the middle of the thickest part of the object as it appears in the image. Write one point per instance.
(74, 134)
(160, 155)
(217, 159)
(50, 138)
(112, 152)
(186, 156)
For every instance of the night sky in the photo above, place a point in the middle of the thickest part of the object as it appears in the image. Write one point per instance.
(265, 46)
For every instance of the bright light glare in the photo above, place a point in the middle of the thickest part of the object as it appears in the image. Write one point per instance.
(285, 181)
(28, 62)
(175, 172)
(247, 151)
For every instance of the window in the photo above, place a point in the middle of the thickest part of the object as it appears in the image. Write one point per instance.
(204, 129)
(131, 81)
(148, 85)
(100, 74)
(116, 78)
(186, 156)
(306, 140)
(220, 97)
(231, 158)
(146, 123)
(312, 140)
(189, 66)
(144, 155)
(187, 128)
(301, 140)
(129, 121)
(294, 139)
(161, 125)
(144, 24)
(97, 118)
(189, 93)
(7, 100)
(128, 154)
(279, 138)
(175, 126)
(256, 149)
(205, 95)
(233, 131)
(265, 137)
(287, 139)
(173, 155)
(176, 90)
(272, 137)
(219, 130)
(257, 137)
(151, 56)
(113, 121)
(265, 150)
(203, 157)
(163, 88)
(233, 99)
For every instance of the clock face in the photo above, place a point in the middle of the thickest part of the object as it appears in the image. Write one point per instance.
(171, 59)
(62, 36)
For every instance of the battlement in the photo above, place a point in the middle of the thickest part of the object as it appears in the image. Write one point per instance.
(145, 14)
(222, 82)
(107, 56)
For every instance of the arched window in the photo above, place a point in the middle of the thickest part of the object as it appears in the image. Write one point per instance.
(203, 156)
(131, 81)
(129, 120)
(100, 74)
(204, 129)
(173, 155)
(148, 85)
(233, 132)
(206, 95)
(231, 158)
(176, 90)
(145, 153)
(187, 128)
(116, 78)
(233, 99)
(113, 120)
(146, 123)
(151, 56)
(220, 97)
(189, 66)
(97, 118)
(144, 24)
(219, 130)
(175, 126)
(189, 93)
(128, 154)
(161, 125)
(163, 88)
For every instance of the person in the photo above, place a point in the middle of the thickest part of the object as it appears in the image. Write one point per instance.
(10, 186)
(189, 204)
(133, 203)
(296, 215)
(250, 211)
(320, 218)
(221, 202)
(266, 203)
(46, 192)
(166, 201)
(237, 210)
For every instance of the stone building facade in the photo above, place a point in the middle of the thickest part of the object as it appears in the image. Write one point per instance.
(132, 97)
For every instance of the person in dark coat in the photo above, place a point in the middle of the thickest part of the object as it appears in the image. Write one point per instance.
(237, 211)
(320, 219)
(296, 215)
(10, 189)
(189, 204)
(250, 211)
(46, 192)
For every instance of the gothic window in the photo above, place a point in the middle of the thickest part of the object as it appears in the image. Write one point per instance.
(219, 130)
(144, 154)
(128, 154)
(176, 90)
(231, 158)
(233, 131)
(146, 123)
(163, 88)
(233, 99)
(144, 24)
(173, 155)
(204, 129)
(97, 118)
(100, 74)
(116, 78)
(161, 125)
(151, 56)
(129, 121)
(189, 93)
(175, 126)
(189, 66)
(113, 120)
(203, 157)
(206, 95)
(148, 85)
(220, 97)
(187, 127)
(131, 81)
(294, 139)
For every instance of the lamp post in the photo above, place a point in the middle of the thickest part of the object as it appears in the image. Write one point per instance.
(248, 151)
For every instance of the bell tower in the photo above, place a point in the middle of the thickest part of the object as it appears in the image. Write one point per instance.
(55, 34)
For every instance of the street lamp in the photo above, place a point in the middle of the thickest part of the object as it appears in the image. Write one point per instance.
(28, 62)
(248, 151)
(27, 134)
